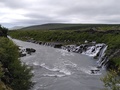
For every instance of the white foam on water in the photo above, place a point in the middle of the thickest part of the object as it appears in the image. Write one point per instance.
(54, 75)
(93, 68)
(42, 64)
(48, 68)
(56, 68)
(36, 63)
(88, 70)
(65, 71)
(65, 52)
(33, 71)
(69, 63)
(63, 66)
(90, 51)
(85, 70)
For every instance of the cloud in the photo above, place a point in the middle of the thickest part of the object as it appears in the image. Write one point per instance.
(31, 12)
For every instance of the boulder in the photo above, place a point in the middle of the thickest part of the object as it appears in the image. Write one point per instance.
(22, 54)
(57, 45)
(30, 50)
(94, 71)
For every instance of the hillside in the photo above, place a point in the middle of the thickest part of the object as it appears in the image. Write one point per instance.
(60, 26)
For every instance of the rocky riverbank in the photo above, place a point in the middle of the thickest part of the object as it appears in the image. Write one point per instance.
(52, 44)
(88, 48)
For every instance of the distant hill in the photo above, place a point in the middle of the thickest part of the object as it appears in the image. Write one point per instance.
(16, 27)
(60, 26)
(51, 26)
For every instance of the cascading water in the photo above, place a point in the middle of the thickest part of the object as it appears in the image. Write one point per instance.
(92, 50)
(101, 58)
(98, 51)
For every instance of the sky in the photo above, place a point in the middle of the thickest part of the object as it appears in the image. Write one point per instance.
(35, 12)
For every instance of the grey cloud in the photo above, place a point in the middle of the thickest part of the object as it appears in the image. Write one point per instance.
(52, 11)
(111, 19)
(40, 20)
(90, 10)
(14, 4)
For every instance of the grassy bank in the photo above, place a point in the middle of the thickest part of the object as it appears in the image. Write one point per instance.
(13, 74)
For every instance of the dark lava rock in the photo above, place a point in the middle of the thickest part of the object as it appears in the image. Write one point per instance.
(94, 71)
(22, 54)
(57, 45)
(30, 50)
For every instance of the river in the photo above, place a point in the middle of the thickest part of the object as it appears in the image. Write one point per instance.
(57, 69)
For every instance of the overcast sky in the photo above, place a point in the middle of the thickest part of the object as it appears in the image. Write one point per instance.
(32, 12)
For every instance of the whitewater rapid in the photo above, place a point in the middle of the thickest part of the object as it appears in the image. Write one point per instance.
(58, 69)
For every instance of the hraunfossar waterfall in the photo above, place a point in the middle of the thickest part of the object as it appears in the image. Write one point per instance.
(69, 68)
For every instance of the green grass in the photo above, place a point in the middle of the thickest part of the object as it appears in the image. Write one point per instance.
(112, 39)
(116, 60)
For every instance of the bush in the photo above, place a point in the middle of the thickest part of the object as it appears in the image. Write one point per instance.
(3, 31)
(16, 75)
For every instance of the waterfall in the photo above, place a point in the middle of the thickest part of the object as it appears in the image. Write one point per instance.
(102, 59)
(93, 50)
